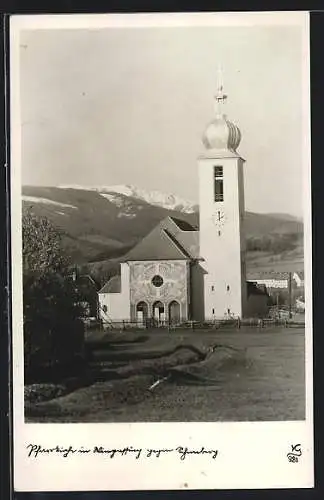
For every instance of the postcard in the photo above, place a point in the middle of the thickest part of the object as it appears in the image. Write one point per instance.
(161, 251)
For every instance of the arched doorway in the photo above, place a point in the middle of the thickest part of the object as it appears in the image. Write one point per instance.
(158, 311)
(174, 312)
(141, 312)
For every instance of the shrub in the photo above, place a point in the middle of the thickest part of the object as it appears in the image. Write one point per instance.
(53, 332)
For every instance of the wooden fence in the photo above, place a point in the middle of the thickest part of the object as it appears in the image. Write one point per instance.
(231, 323)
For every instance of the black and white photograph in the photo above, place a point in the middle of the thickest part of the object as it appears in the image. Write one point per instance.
(161, 184)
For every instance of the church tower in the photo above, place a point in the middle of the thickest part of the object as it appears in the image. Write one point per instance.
(221, 217)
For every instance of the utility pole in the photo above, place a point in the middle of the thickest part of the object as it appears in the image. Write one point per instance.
(289, 292)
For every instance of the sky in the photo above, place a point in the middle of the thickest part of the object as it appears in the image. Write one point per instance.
(129, 106)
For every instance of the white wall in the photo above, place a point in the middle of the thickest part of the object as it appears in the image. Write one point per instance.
(224, 254)
(118, 304)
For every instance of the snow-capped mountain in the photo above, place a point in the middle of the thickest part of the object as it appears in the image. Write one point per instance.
(168, 201)
(100, 223)
(45, 201)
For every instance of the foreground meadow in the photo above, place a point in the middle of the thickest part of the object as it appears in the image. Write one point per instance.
(231, 375)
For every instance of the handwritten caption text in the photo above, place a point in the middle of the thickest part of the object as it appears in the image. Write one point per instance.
(36, 450)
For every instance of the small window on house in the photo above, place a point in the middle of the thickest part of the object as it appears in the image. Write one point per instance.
(212, 288)
(228, 311)
(228, 288)
(218, 184)
(219, 233)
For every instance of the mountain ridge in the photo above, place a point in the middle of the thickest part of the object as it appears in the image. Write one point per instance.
(98, 225)
(154, 197)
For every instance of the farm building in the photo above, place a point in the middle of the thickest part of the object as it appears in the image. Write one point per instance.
(277, 280)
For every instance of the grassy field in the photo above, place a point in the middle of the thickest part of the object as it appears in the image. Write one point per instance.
(292, 260)
(252, 375)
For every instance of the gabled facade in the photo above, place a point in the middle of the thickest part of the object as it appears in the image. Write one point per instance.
(155, 277)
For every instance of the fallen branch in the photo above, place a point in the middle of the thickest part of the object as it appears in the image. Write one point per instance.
(158, 382)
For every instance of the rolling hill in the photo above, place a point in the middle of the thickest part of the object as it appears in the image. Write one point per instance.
(103, 223)
(97, 225)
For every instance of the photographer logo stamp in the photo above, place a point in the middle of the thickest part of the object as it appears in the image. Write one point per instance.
(295, 453)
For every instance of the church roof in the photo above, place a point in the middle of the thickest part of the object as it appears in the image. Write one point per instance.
(112, 286)
(190, 241)
(159, 244)
(183, 225)
(171, 239)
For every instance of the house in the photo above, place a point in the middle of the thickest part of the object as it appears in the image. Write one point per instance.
(298, 277)
(276, 280)
(87, 292)
(270, 279)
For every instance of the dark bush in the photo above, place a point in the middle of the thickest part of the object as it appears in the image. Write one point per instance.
(53, 332)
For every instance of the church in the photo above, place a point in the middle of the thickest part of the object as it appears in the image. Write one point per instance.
(178, 273)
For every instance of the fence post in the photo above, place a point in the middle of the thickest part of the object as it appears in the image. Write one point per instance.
(290, 295)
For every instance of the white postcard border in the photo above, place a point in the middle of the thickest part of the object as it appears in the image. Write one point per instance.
(251, 455)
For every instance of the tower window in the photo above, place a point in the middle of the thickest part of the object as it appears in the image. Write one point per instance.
(218, 183)
(212, 288)
(213, 311)
(228, 288)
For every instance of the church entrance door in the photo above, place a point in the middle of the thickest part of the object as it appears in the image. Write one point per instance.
(158, 311)
(141, 313)
(174, 312)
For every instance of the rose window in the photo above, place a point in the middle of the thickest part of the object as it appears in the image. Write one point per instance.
(157, 281)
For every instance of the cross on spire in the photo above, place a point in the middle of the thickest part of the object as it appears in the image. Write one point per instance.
(220, 96)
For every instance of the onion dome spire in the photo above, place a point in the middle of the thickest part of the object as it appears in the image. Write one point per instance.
(221, 134)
